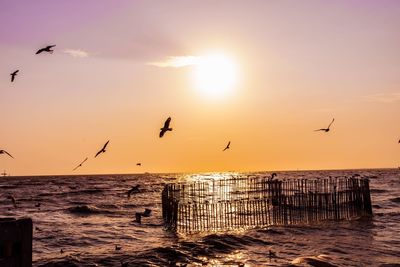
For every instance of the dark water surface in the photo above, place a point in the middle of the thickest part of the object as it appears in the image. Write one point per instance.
(86, 216)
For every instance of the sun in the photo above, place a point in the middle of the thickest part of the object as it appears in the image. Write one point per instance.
(215, 75)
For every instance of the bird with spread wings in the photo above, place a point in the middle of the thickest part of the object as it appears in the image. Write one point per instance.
(46, 49)
(5, 152)
(103, 150)
(227, 146)
(165, 127)
(80, 164)
(326, 129)
(13, 74)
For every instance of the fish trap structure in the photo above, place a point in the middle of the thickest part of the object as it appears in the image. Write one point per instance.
(251, 202)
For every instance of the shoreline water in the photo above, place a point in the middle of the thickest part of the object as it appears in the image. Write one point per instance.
(88, 237)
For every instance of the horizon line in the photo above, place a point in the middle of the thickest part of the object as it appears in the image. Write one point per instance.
(202, 172)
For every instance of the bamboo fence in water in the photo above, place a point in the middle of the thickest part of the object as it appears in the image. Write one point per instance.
(250, 202)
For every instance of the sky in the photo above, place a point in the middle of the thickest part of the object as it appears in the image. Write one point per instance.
(261, 74)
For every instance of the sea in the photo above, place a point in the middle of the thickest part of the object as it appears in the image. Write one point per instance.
(81, 219)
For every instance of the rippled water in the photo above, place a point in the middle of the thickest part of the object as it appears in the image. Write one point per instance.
(86, 216)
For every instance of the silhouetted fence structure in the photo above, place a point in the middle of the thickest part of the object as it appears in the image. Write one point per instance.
(249, 202)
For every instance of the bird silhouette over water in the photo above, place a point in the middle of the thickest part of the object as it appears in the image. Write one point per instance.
(117, 247)
(134, 189)
(46, 49)
(138, 164)
(5, 152)
(165, 127)
(13, 74)
(272, 254)
(326, 129)
(227, 146)
(80, 164)
(103, 150)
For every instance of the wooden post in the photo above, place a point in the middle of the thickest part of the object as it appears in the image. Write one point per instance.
(15, 242)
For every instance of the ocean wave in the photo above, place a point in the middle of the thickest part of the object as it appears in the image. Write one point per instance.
(87, 210)
(395, 200)
(378, 191)
(316, 261)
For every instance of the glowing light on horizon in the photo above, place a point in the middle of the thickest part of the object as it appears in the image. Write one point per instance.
(215, 75)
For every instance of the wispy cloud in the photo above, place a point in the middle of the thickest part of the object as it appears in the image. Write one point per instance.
(383, 98)
(176, 62)
(76, 52)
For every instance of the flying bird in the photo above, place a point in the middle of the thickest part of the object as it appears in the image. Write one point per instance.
(165, 127)
(5, 152)
(134, 189)
(326, 129)
(103, 150)
(13, 75)
(227, 146)
(46, 49)
(80, 164)
(117, 247)
(138, 164)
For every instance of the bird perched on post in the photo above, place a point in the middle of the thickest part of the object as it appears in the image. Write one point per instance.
(13, 74)
(165, 127)
(326, 129)
(103, 150)
(46, 49)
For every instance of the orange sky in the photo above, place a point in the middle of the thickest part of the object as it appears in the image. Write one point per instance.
(298, 66)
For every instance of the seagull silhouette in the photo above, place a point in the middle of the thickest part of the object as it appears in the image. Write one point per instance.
(326, 129)
(134, 189)
(46, 49)
(103, 150)
(227, 146)
(5, 152)
(13, 75)
(165, 127)
(80, 164)
(138, 164)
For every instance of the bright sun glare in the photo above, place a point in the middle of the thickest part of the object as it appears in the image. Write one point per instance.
(215, 75)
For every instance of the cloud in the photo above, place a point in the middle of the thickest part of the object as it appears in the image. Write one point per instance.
(383, 98)
(176, 62)
(76, 53)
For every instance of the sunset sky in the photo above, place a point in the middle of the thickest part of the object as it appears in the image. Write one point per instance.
(261, 74)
